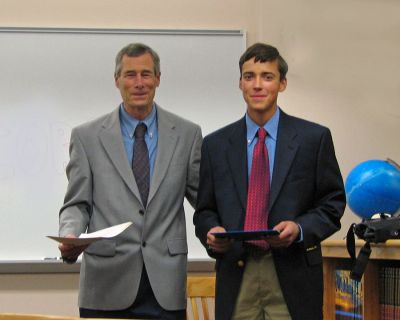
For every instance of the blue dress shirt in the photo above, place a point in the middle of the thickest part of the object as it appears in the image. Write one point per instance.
(128, 126)
(272, 128)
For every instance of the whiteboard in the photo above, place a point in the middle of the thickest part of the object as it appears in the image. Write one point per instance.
(51, 80)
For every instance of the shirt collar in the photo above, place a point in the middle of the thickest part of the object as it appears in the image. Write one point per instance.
(130, 123)
(271, 127)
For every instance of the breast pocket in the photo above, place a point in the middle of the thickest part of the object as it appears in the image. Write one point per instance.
(298, 176)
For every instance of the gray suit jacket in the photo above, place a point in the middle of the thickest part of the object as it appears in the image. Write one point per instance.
(102, 192)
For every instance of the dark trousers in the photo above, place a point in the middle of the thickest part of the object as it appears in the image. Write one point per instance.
(144, 307)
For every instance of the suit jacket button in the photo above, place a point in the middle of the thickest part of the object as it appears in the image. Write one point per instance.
(141, 212)
(144, 244)
(240, 263)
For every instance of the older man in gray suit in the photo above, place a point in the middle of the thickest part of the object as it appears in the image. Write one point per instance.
(115, 176)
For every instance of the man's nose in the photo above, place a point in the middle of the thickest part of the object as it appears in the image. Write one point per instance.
(138, 81)
(257, 82)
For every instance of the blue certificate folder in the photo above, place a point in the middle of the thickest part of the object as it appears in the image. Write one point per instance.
(246, 235)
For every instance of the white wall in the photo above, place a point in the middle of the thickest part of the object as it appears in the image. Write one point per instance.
(40, 293)
(343, 61)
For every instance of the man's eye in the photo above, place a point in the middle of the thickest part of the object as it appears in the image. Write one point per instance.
(268, 77)
(248, 77)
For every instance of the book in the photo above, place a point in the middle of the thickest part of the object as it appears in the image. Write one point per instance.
(348, 296)
(389, 295)
(246, 235)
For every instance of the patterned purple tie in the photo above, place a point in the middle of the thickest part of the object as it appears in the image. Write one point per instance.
(258, 193)
(141, 163)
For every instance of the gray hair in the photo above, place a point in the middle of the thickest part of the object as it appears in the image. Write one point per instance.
(136, 50)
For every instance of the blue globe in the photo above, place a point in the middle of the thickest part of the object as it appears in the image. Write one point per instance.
(373, 187)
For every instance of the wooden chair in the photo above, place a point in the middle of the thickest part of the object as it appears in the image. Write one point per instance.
(200, 288)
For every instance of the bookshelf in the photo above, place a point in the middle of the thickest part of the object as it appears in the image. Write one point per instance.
(336, 258)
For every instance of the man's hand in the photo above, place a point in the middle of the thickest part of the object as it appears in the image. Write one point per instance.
(217, 244)
(289, 231)
(70, 252)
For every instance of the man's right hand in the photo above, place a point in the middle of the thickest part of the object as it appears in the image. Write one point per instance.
(69, 252)
(217, 244)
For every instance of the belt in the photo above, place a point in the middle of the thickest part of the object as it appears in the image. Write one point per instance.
(255, 252)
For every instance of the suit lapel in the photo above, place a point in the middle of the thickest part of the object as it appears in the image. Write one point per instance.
(111, 139)
(285, 152)
(167, 140)
(237, 159)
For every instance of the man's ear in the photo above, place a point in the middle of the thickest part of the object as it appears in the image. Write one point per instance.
(283, 85)
(158, 77)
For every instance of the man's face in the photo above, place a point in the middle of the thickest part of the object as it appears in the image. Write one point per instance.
(137, 83)
(260, 84)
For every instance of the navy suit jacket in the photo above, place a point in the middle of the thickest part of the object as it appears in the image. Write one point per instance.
(306, 187)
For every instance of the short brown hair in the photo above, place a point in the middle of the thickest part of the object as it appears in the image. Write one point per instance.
(264, 52)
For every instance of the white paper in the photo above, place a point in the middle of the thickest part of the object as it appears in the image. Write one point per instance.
(107, 232)
(87, 238)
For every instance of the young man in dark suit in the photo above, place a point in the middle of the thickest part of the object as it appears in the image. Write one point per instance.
(290, 183)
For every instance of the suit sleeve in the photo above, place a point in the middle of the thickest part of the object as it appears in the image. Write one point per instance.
(205, 216)
(75, 213)
(192, 181)
(323, 219)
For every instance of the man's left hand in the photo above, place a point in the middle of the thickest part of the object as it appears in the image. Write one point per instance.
(289, 232)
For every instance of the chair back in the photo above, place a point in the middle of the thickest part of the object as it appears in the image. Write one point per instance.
(200, 289)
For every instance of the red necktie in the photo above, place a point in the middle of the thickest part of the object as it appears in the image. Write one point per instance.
(258, 193)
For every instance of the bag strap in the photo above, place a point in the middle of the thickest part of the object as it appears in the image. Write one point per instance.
(359, 265)
(351, 243)
(361, 262)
